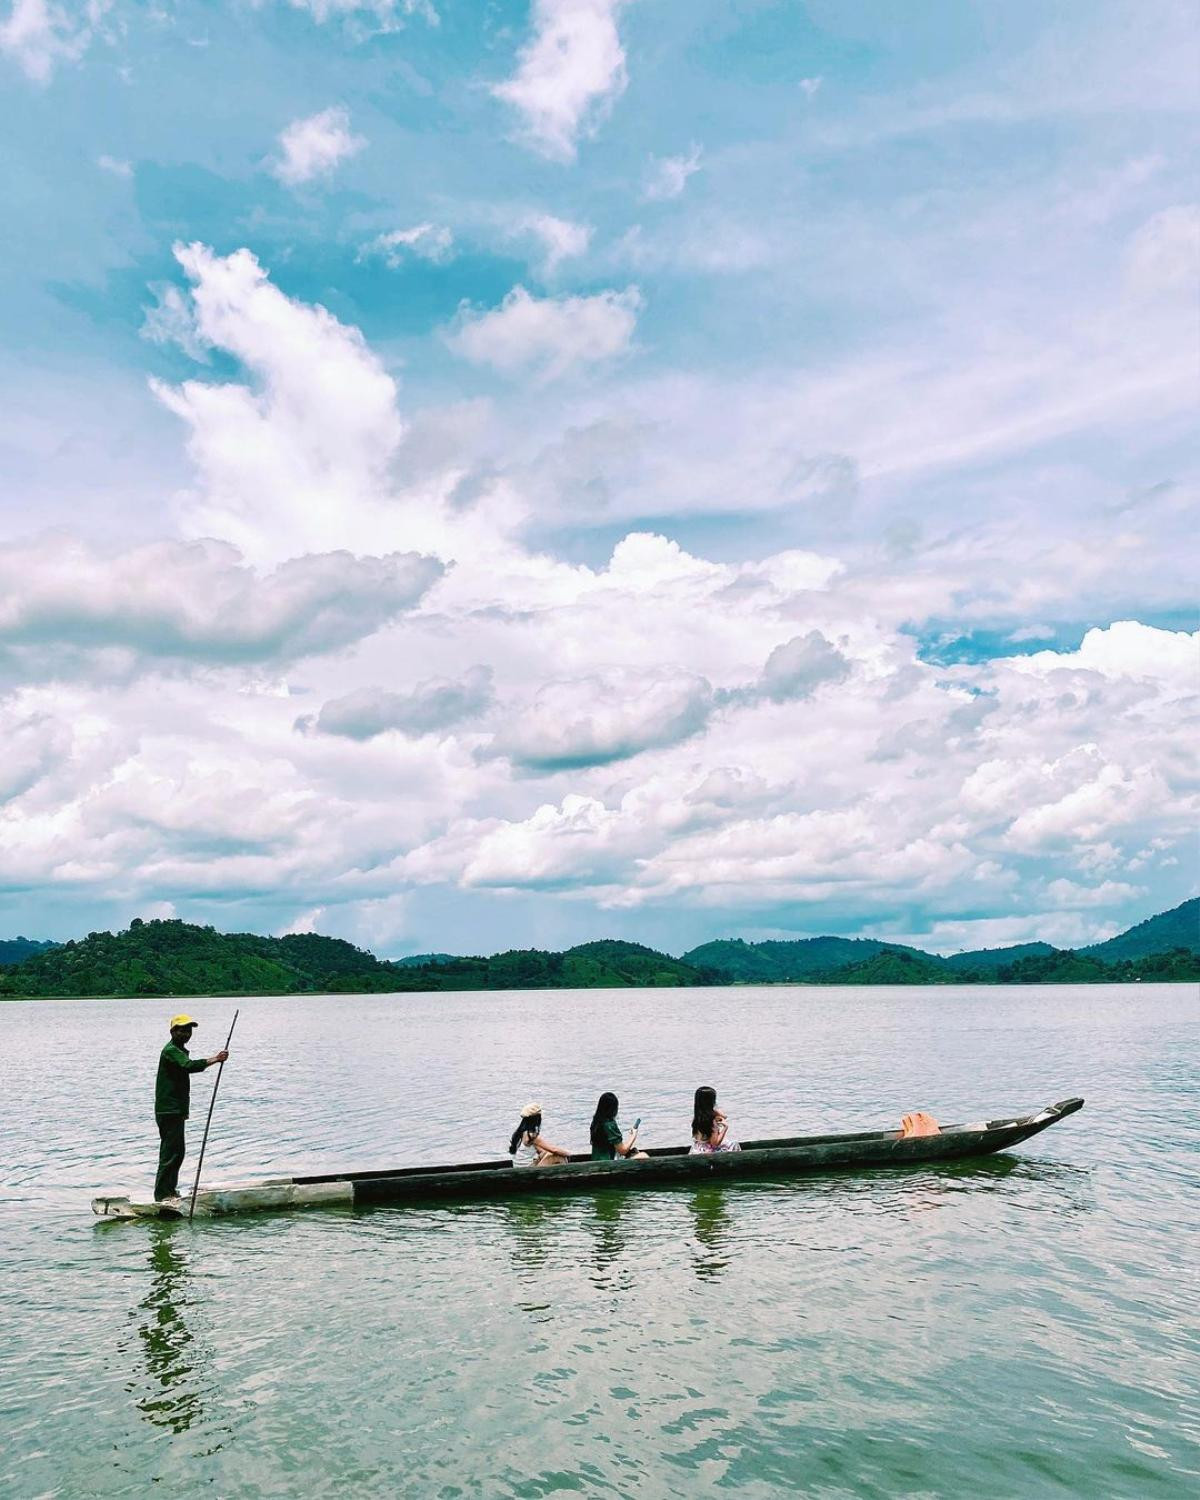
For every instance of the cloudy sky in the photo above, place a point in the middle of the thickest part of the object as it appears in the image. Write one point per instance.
(481, 473)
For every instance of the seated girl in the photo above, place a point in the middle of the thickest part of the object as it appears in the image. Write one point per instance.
(608, 1140)
(710, 1129)
(529, 1148)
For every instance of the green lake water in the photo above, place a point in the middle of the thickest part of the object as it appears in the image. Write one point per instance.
(1028, 1325)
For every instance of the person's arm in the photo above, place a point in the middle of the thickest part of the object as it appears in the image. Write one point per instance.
(629, 1145)
(198, 1064)
(193, 1064)
(720, 1129)
(542, 1144)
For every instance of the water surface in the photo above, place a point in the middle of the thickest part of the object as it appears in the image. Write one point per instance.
(1023, 1326)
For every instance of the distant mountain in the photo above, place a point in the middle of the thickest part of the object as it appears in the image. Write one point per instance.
(893, 966)
(1177, 928)
(1177, 967)
(17, 950)
(981, 960)
(607, 964)
(740, 962)
(175, 958)
(783, 962)
(630, 963)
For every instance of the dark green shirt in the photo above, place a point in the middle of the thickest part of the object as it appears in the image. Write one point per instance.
(612, 1133)
(172, 1088)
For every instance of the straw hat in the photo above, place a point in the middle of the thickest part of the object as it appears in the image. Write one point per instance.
(530, 1110)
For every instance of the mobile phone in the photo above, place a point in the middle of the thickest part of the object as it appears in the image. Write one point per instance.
(637, 1122)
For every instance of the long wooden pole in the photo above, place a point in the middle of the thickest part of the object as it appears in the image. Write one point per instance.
(208, 1122)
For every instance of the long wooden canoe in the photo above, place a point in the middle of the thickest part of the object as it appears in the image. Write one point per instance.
(788, 1157)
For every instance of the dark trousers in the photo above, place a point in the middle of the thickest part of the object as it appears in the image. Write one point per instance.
(170, 1155)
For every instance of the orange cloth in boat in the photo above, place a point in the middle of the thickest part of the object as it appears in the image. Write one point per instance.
(918, 1123)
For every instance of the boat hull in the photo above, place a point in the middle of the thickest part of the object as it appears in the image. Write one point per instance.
(791, 1157)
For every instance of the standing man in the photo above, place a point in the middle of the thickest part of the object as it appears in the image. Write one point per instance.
(172, 1091)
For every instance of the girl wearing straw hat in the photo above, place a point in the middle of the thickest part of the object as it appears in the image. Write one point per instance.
(529, 1148)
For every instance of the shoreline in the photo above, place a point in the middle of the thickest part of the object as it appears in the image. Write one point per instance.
(1049, 984)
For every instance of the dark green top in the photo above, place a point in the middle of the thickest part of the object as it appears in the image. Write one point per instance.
(173, 1086)
(613, 1135)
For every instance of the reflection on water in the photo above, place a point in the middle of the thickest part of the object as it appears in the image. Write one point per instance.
(769, 1329)
(605, 1218)
(710, 1218)
(1062, 1189)
(173, 1356)
(530, 1221)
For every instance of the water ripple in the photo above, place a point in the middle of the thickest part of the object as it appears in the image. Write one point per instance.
(1017, 1327)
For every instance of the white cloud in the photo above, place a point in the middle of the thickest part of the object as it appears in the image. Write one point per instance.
(432, 242)
(810, 86)
(551, 334)
(171, 320)
(34, 742)
(716, 247)
(1127, 648)
(61, 600)
(561, 239)
(313, 147)
(569, 73)
(596, 720)
(435, 704)
(579, 843)
(38, 34)
(667, 176)
(1164, 255)
(386, 12)
(305, 922)
(1115, 797)
(800, 666)
(759, 739)
(1070, 895)
(115, 165)
(289, 462)
(1062, 929)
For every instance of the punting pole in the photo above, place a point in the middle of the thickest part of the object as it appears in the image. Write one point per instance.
(208, 1122)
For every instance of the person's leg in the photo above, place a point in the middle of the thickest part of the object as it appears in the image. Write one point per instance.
(170, 1156)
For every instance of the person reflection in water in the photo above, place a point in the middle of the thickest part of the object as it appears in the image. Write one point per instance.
(710, 1129)
(712, 1231)
(174, 1399)
(608, 1213)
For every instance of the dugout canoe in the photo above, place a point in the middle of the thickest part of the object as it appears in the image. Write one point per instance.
(791, 1156)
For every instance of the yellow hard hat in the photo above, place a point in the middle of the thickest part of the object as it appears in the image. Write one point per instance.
(183, 1021)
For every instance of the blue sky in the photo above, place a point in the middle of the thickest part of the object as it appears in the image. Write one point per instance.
(483, 474)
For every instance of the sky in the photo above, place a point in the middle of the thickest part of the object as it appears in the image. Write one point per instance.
(480, 474)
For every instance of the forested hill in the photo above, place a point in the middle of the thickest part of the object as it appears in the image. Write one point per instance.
(1178, 928)
(17, 950)
(177, 958)
(173, 958)
(781, 962)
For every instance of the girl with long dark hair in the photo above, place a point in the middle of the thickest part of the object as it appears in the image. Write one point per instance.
(608, 1139)
(710, 1129)
(529, 1148)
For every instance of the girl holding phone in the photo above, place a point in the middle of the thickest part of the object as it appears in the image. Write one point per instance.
(608, 1140)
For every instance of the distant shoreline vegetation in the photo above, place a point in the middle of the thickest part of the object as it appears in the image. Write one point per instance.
(175, 958)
